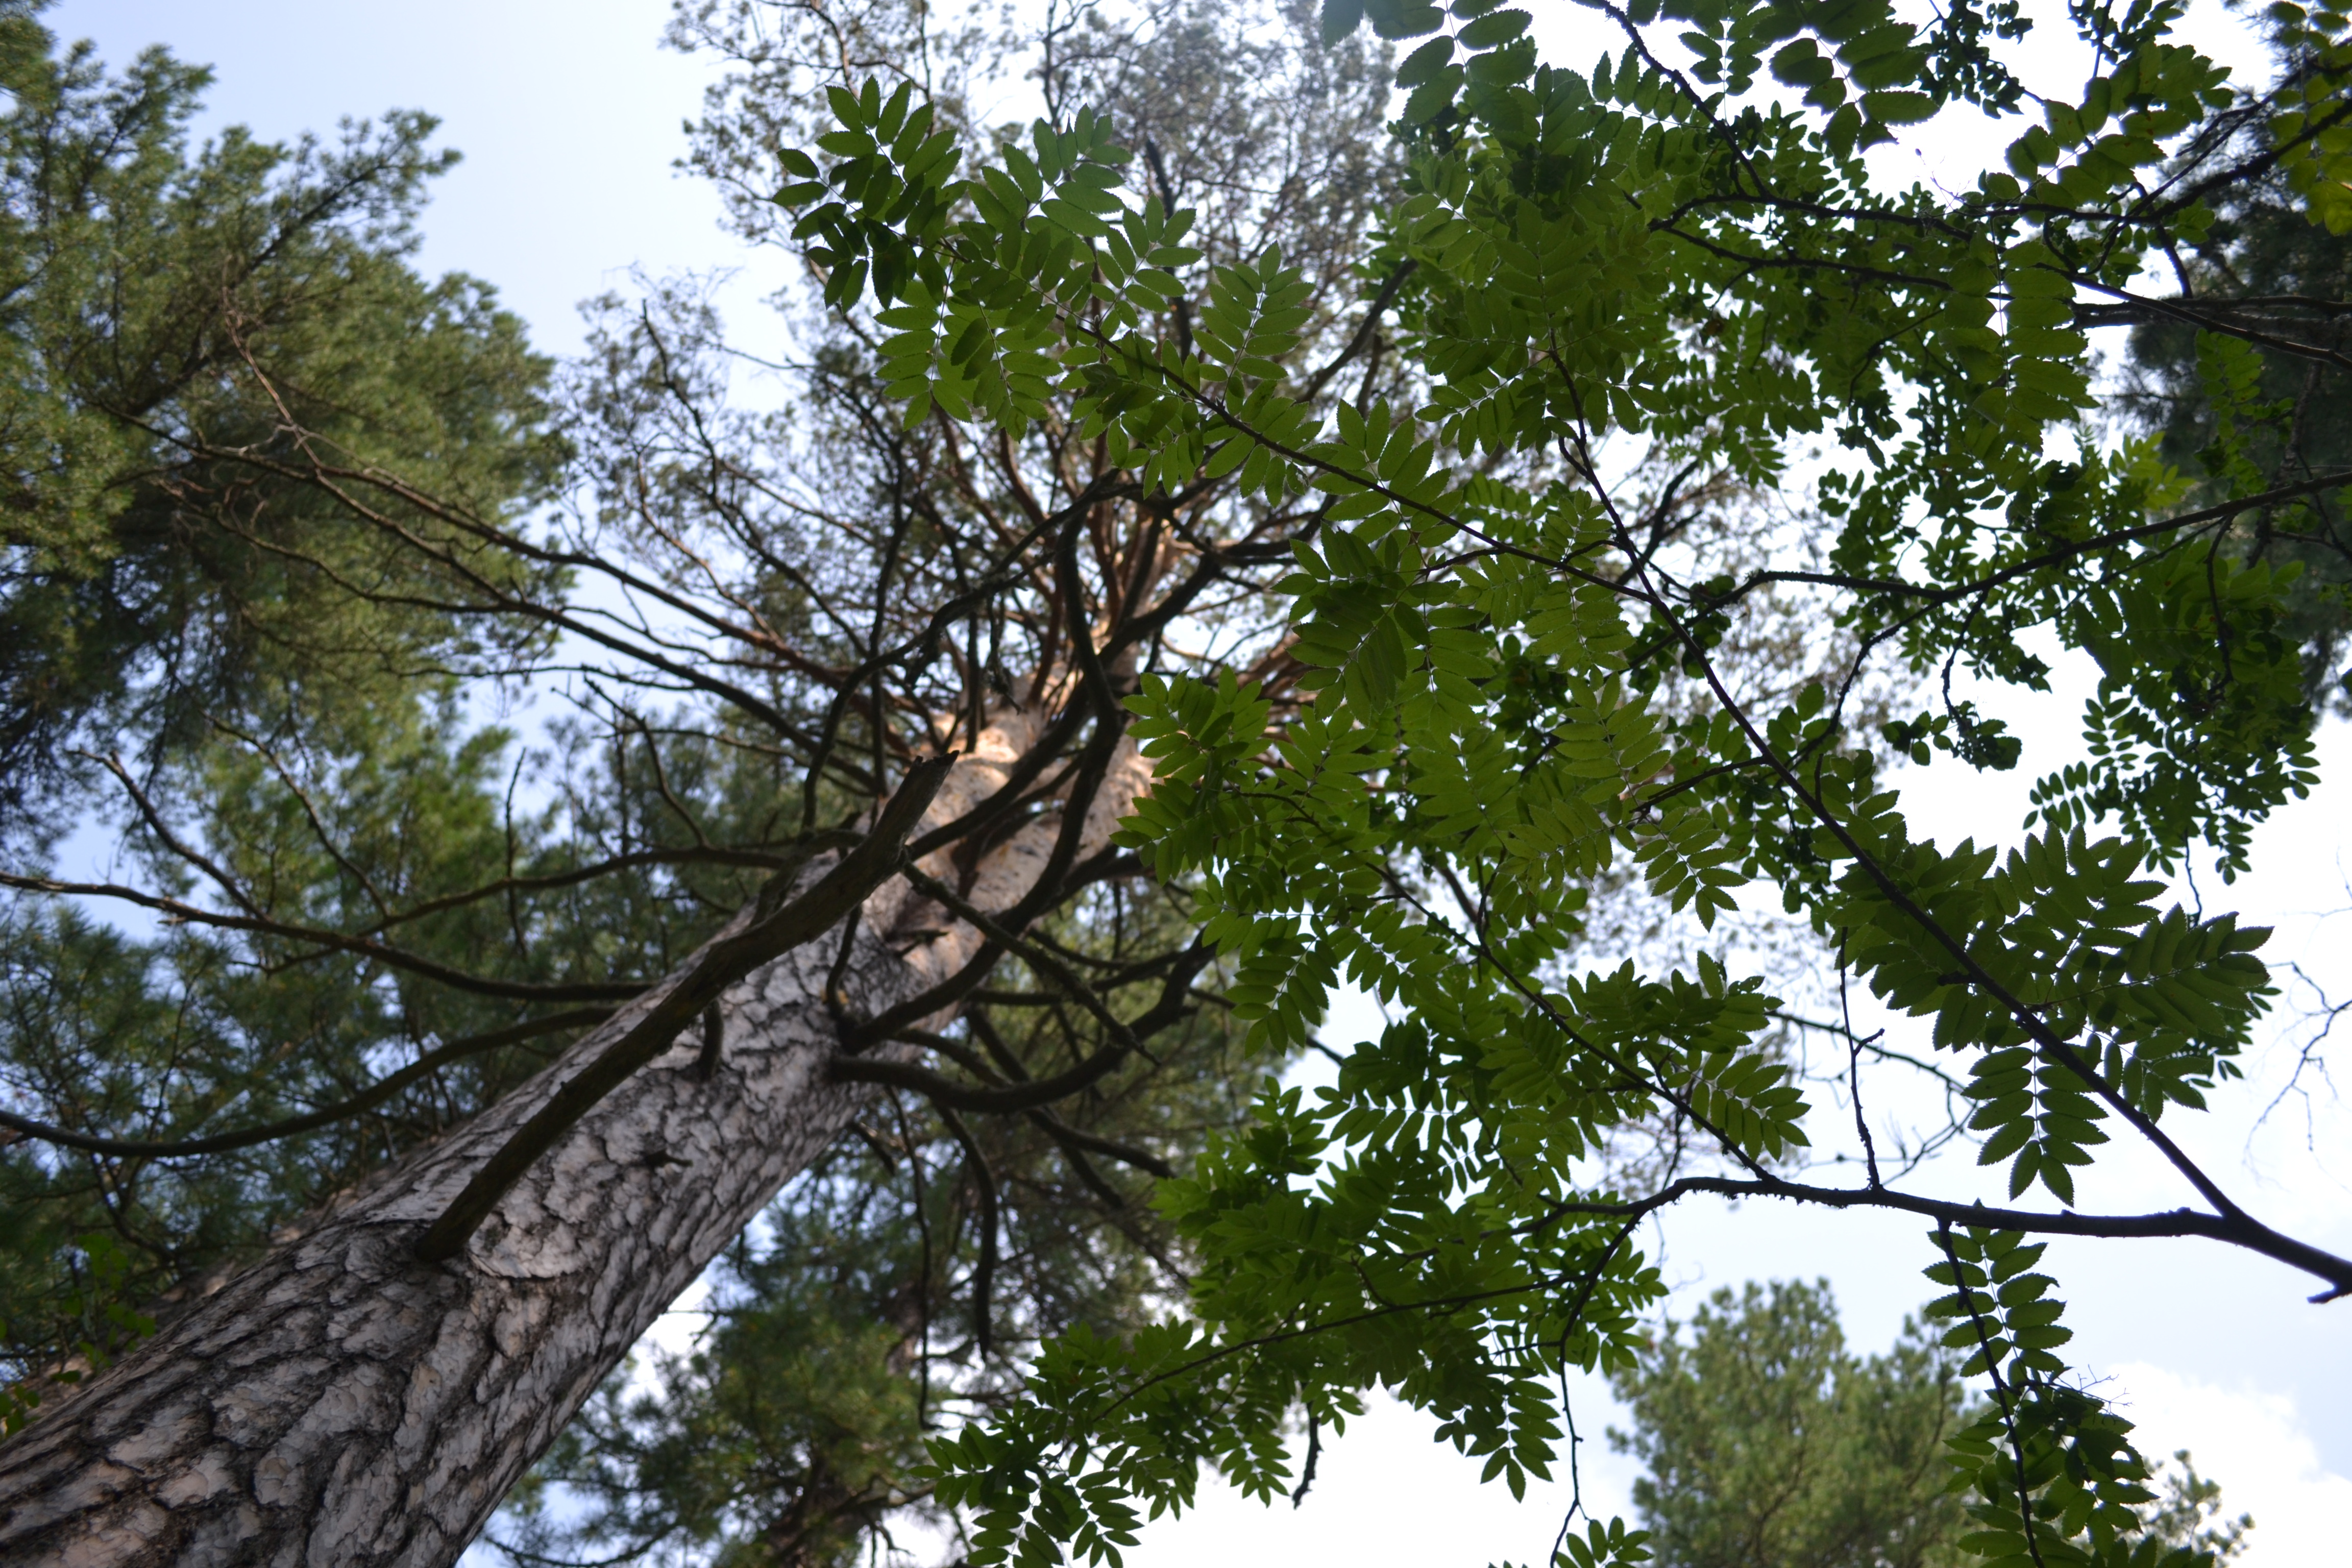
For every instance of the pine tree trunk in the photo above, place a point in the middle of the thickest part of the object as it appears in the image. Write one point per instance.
(343, 1404)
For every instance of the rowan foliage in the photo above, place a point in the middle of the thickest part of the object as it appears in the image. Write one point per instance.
(1686, 249)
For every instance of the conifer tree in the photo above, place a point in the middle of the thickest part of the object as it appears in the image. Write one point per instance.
(2282, 392)
(1767, 1442)
(798, 647)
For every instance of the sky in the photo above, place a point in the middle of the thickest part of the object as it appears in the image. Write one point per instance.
(569, 117)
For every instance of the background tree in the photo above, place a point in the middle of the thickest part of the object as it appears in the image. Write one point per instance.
(1769, 1442)
(171, 612)
(2191, 1513)
(148, 584)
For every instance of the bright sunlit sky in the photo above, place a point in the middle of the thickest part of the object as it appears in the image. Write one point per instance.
(569, 116)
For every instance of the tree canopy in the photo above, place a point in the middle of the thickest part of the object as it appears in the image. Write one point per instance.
(1689, 249)
(2282, 417)
(166, 303)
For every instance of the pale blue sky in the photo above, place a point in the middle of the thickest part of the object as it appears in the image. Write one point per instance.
(568, 115)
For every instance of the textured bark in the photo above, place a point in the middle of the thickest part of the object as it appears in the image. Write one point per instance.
(341, 1402)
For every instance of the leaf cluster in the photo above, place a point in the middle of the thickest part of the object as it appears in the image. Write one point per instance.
(1673, 258)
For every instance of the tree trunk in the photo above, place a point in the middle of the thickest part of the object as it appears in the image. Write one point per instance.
(342, 1404)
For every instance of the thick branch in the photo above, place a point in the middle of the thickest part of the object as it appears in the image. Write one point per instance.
(2236, 1230)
